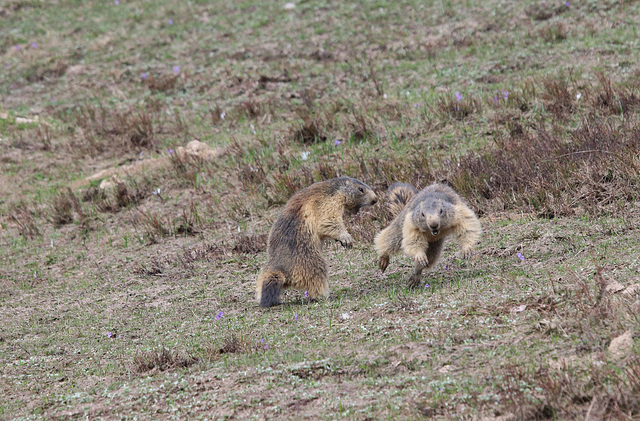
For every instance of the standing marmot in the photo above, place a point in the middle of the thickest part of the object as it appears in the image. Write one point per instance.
(295, 241)
(422, 222)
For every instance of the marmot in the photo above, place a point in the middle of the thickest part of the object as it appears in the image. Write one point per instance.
(312, 215)
(422, 223)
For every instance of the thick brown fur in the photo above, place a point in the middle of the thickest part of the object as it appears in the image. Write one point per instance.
(420, 228)
(294, 247)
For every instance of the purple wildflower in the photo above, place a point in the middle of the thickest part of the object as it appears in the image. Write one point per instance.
(426, 285)
(416, 105)
(143, 75)
(296, 318)
(120, 336)
(17, 47)
(176, 69)
(266, 346)
(170, 151)
(170, 21)
(117, 2)
(306, 294)
(458, 97)
(109, 335)
(219, 315)
(566, 3)
(34, 45)
(7, 65)
(337, 142)
(520, 256)
(262, 340)
(506, 95)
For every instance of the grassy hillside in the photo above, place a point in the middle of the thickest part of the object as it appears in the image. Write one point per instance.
(129, 263)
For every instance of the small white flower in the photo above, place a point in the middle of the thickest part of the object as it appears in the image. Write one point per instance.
(384, 96)
(157, 191)
(223, 115)
(578, 96)
(346, 316)
(305, 155)
(289, 6)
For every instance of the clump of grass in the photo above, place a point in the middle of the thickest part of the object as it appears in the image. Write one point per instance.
(616, 100)
(24, 219)
(554, 32)
(558, 99)
(53, 68)
(161, 83)
(540, 171)
(458, 107)
(113, 131)
(117, 195)
(161, 360)
(313, 128)
(65, 204)
(548, 393)
(360, 125)
(232, 344)
(250, 244)
(153, 226)
(190, 220)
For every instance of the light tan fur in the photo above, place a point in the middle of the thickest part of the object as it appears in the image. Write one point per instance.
(421, 227)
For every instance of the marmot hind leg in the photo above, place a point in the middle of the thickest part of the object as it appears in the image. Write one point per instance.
(416, 277)
(313, 278)
(268, 288)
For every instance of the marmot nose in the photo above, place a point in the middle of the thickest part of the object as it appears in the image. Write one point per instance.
(374, 201)
(434, 226)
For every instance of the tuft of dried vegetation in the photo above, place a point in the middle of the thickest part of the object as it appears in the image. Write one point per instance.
(570, 393)
(99, 130)
(161, 360)
(458, 107)
(113, 196)
(24, 219)
(542, 172)
(232, 344)
(313, 128)
(554, 32)
(65, 205)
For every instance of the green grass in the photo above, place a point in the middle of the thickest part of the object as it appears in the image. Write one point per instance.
(85, 306)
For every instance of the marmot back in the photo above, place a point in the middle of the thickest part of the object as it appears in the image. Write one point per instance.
(294, 247)
(422, 225)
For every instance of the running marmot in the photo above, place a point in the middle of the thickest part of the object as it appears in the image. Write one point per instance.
(422, 222)
(294, 247)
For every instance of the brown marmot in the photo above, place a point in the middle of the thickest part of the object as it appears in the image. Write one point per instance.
(294, 247)
(422, 223)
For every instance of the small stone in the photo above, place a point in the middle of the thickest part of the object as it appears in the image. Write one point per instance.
(613, 287)
(25, 120)
(621, 346)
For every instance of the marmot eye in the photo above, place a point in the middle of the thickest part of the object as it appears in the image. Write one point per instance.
(361, 189)
(441, 211)
(423, 214)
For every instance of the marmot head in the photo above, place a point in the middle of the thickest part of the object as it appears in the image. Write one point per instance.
(356, 193)
(433, 215)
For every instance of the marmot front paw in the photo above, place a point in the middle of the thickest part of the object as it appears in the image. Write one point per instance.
(383, 262)
(422, 260)
(346, 241)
